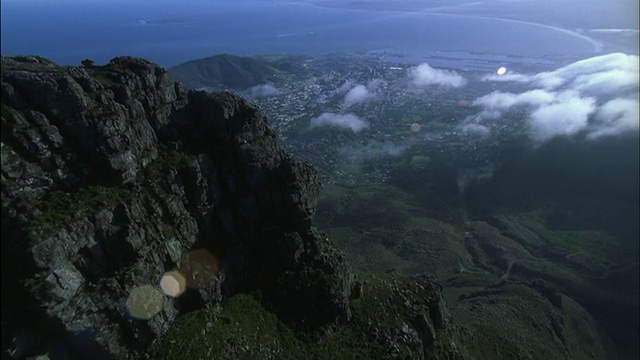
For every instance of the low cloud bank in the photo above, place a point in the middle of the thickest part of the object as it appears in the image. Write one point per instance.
(374, 149)
(361, 93)
(344, 87)
(357, 95)
(596, 96)
(263, 90)
(615, 31)
(616, 117)
(424, 75)
(344, 121)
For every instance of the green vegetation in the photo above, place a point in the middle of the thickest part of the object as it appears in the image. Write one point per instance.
(419, 161)
(507, 329)
(8, 113)
(60, 208)
(292, 64)
(241, 328)
(29, 63)
(167, 159)
(410, 119)
(471, 279)
(224, 71)
(593, 249)
(353, 168)
(435, 125)
(108, 75)
(103, 77)
(402, 132)
(88, 63)
(168, 232)
(381, 227)
(124, 64)
(591, 242)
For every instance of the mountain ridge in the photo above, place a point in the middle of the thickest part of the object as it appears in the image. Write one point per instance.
(224, 71)
(112, 174)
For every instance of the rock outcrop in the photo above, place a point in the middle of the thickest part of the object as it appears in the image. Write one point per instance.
(112, 174)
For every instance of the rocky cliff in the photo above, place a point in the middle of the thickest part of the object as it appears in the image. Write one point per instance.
(112, 174)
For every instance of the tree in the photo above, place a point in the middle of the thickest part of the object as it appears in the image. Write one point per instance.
(87, 63)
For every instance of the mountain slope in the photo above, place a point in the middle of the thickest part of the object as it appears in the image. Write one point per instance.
(113, 175)
(223, 71)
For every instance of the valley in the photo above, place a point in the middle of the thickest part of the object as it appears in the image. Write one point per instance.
(411, 187)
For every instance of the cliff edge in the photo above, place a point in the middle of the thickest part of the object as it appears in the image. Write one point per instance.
(112, 175)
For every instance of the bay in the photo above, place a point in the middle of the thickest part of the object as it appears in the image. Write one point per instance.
(170, 32)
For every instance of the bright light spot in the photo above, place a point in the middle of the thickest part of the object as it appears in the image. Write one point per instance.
(415, 127)
(173, 283)
(200, 268)
(144, 302)
(501, 71)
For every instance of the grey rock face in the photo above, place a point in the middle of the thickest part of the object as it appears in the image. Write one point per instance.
(112, 174)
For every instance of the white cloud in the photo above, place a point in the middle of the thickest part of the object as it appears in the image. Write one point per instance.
(361, 93)
(568, 116)
(370, 150)
(392, 149)
(596, 96)
(345, 121)
(606, 70)
(425, 75)
(475, 129)
(603, 73)
(263, 90)
(344, 87)
(501, 101)
(616, 117)
(615, 31)
(535, 98)
(496, 100)
(356, 95)
(608, 82)
(508, 77)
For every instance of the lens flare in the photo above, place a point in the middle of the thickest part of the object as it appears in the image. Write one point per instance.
(501, 71)
(144, 302)
(173, 283)
(200, 267)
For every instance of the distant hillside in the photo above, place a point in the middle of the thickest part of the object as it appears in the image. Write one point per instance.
(224, 71)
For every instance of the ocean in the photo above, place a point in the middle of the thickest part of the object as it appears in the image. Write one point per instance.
(169, 32)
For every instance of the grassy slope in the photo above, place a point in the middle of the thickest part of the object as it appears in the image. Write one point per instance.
(241, 328)
(382, 227)
(224, 71)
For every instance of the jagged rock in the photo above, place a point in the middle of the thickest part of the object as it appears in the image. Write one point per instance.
(111, 174)
(425, 329)
(425, 332)
(547, 290)
(356, 290)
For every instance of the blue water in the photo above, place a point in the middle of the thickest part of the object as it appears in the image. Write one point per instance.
(169, 32)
